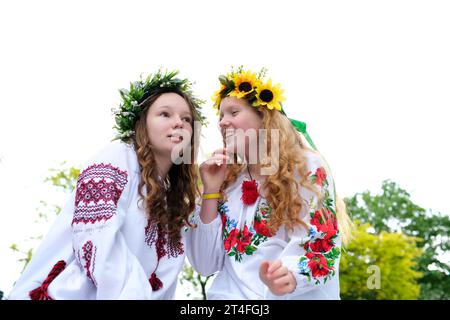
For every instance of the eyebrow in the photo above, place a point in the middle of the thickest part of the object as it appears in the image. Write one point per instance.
(164, 106)
(229, 108)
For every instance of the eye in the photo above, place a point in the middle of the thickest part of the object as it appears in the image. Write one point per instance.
(234, 113)
(187, 119)
(164, 114)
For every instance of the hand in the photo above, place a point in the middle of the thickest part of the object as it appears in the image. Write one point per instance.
(212, 171)
(277, 277)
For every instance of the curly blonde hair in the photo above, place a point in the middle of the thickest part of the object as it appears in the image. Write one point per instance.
(167, 203)
(281, 189)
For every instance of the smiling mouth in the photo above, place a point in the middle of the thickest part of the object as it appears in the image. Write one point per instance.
(228, 134)
(175, 137)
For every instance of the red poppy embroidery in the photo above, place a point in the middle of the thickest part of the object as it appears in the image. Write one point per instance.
(244, 239)
(41, 293)
(321, 250)
(319, 245)
(261, 228)
(321, 176)
(318, 264)
(231, 240)
(326, 222)
(223, 217)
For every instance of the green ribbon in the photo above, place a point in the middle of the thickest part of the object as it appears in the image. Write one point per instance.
(301, 127)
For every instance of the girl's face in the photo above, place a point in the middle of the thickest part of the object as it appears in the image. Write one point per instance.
(238, 114)
(169, 121)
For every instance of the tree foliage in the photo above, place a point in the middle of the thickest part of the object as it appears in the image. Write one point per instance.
(385, 258)
(394, 211)
(197, 281)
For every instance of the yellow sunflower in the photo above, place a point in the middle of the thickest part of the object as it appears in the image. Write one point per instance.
(245, 83)
(216, 97)
(269, 95)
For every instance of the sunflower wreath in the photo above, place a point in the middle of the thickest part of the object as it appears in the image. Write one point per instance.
(251, 86)
(244, 84)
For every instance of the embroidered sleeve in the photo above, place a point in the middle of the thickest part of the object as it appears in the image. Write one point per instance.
(313, 256)
(100, 247)
(99, 188)
(318, 263)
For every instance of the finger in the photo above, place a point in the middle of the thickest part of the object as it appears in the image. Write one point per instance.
(280, 272)
(283, 281)
(291, 287)
(221, 159)
(263, 268)
(274, 266)
(219, 151)
(217, 159)
(287, 288)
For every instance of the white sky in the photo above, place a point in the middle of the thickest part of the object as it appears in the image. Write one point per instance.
(370, 78)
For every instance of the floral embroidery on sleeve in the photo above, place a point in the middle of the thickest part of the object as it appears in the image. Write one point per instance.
(246, 241)
(321, 250)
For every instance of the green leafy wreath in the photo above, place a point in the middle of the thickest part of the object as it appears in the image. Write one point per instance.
(129, 111)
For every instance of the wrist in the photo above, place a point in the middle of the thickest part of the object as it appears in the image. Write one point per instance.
(211, 195)
(211, 190)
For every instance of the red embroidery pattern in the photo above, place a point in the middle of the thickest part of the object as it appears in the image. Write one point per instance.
(99, 188)
(95, 191)
(88, 256)
(155, 235)
(41, 292)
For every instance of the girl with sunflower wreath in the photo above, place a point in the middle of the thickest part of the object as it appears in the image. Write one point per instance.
(120, 235)
(270, 234)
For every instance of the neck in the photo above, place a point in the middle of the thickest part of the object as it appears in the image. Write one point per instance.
(255, 171)
(163, 165)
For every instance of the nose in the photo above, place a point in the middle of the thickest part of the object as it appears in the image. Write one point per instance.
(224, 123)
(178, 122)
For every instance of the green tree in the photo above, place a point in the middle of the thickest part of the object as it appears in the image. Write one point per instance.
(379, 266)
(394, 211)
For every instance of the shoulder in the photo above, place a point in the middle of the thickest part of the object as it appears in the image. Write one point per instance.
(316, 164)
(318, 174)
(117, 159)
(314, 160)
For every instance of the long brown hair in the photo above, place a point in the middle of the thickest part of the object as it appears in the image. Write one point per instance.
(282, 189)
(167, 203)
